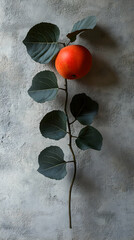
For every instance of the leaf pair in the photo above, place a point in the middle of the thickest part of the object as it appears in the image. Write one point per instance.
(51, 159)
(53, 125)
(84, 109)
(42, 39)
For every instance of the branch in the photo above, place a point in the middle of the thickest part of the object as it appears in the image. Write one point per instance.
(71, 149)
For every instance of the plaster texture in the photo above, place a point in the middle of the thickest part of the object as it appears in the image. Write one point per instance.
(33, 207)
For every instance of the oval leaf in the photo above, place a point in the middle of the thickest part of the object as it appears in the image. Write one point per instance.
(41, 42)
(89, 137)
(83, 25)
(44, 87)
(83, 108)
(53, 125)
(51, 163)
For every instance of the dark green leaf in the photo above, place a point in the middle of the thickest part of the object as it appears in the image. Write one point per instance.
(44, 87)
(89, 137)
(41, 42)
(83, 25)
(83, 108)
(53, 125)
(51, 163)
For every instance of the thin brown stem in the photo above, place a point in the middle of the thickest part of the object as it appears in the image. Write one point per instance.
(62, 43)
(71, 149)
(68, 43)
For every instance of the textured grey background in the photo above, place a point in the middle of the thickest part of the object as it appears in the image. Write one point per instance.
(33, 207)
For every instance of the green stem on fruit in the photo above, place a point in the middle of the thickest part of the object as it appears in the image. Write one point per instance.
(71, 149)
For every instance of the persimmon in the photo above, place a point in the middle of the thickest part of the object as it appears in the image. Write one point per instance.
(73, 62)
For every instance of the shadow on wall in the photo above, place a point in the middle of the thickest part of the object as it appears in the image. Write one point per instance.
(94, 196)
(100, 37)
(123, 160)
(123, 173)
(101, 74)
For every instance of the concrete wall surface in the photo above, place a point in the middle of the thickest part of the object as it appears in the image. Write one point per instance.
(33, 207)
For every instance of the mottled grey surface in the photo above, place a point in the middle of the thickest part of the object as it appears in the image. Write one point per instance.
(33, 207)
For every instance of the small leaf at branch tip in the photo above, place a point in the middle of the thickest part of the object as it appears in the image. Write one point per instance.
(80, 26)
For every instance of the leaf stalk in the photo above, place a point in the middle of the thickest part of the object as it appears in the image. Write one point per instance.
(62, 89)
(72, 121)
(62, 43)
